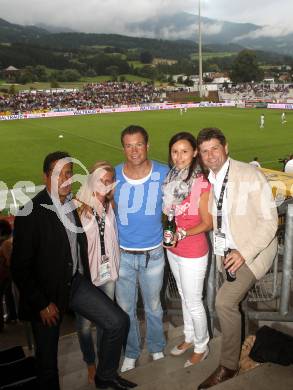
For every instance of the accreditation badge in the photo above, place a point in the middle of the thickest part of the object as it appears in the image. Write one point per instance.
(105, 271)
(219, 243)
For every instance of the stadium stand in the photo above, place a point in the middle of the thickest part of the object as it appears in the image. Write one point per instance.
(94, 95)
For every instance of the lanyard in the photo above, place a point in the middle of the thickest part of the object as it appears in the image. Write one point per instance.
(220, 201)
(101, 224)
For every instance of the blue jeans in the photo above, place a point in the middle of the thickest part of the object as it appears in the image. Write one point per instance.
(84, 329)
(132, 271)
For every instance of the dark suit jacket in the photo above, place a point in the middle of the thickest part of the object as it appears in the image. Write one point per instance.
(41, 262)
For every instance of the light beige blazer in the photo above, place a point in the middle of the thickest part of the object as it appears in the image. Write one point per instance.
(252, 217)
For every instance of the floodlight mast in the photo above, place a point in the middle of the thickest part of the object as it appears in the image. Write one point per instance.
(199, 51)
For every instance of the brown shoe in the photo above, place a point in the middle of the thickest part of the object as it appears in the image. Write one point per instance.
(91, 371)
(221, 374)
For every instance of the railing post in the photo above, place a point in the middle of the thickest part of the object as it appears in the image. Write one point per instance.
(287, 262)
(211, 291)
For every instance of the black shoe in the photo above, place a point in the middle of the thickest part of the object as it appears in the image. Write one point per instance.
(125, 382)
(117, 383)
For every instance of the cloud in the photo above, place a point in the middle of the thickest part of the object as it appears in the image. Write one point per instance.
(260, 12)
(113, 16)
(266, 31)
(212, 28)
(172, 32)
(89, 15)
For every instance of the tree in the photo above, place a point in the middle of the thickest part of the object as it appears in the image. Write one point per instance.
(54, 84)
(90, 72)
(41, 73)
(113, 70)
(148, 71)
(12, 89)
(189, 82)
(245, 67)
(146, 57)
(70, 75)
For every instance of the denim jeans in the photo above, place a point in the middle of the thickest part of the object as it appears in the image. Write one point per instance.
(133, 270)
(90, 302)
(84, 329)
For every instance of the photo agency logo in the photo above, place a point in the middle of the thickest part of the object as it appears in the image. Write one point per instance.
(92, 187)
(132, 198)
(59, 182)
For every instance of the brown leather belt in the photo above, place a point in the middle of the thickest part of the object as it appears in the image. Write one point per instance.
(133, 252)
(146, 253)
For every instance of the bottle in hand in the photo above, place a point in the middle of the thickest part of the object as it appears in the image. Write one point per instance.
(230, 276)
(170, 229)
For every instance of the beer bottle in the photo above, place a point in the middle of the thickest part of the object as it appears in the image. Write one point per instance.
(170, 228)
(230, 276)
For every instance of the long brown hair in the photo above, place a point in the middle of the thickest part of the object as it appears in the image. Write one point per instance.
(195, 163)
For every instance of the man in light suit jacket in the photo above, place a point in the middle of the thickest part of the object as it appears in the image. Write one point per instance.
(51, 269)
(245, 224)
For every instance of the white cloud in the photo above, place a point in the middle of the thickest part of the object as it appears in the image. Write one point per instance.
(172, 32)
(212, 29)
(88, 15)
(266, 31)
(113, 15)
(261, 12)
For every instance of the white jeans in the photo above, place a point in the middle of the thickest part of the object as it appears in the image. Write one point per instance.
(189, 274)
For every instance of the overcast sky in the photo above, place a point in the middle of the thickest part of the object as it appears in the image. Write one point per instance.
(112, 15)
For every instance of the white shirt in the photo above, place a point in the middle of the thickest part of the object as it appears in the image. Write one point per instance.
(289, 167)
(217, 182)
(255, 163)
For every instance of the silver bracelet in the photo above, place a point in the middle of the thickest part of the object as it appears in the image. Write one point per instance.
(181, 234)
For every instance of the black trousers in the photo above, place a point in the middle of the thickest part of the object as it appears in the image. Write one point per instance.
(93, 304)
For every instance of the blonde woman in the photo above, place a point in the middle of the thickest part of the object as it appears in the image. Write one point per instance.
(98, 220)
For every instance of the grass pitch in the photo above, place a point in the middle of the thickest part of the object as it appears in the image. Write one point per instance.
(24, 143)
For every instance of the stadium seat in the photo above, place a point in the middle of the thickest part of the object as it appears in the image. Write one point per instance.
(11, 354)
(18, 371)
(26, 384)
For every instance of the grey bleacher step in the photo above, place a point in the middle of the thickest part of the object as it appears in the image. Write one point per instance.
(67, 344)
(75, 380)
(70, 357)
(73, 372)
(267, 376)
(72, 369)
(70, 362)
(169, 373)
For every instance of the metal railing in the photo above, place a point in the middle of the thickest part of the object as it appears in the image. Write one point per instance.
(275, 285)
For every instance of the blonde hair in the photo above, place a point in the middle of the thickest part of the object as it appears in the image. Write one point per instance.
(86, 194)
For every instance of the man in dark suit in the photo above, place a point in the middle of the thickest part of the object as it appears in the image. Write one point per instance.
(50, 267)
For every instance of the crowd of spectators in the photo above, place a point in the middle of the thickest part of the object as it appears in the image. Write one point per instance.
(94, 95)
(256, 91)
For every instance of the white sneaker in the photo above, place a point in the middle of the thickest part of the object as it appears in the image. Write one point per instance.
(128, 364)
(158, 355)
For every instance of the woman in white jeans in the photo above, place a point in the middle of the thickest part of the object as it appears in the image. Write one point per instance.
(186, 193)
(98, 220)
